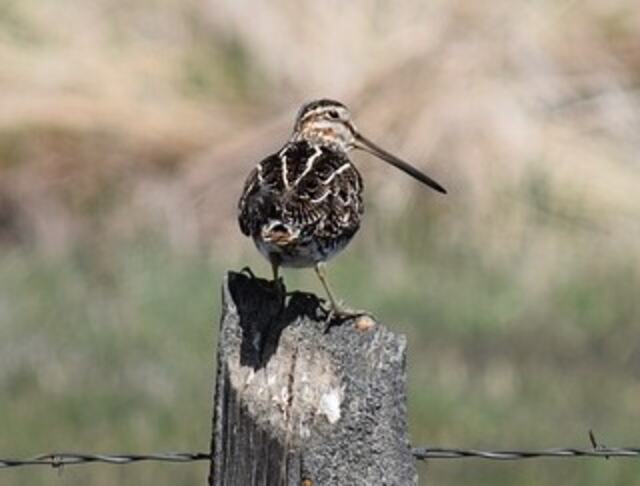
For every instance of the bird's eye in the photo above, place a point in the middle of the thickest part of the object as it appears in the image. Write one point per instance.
(333, 114)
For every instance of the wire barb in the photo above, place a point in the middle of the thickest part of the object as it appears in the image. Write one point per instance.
(594, 443)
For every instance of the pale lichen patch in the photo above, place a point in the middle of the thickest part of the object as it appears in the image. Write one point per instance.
(297, 390)
(330, 405)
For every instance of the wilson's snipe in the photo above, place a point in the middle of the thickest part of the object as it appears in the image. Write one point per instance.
(303, 204)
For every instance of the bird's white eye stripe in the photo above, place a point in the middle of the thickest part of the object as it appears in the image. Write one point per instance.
(335, 112)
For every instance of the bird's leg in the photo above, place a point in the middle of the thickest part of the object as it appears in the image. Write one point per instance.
(277, 280)
(322, 275)
(338, 313)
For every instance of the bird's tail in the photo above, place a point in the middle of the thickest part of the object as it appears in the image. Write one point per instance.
(279, 233)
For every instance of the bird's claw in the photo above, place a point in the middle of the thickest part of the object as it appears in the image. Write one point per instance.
(338, 315)
(248, 271)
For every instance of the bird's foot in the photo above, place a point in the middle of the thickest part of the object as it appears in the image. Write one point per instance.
(338, 314)
(276, 286)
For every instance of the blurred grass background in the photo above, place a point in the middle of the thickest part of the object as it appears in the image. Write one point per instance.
(126, 131)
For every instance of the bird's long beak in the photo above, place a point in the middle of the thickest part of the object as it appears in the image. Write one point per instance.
(368, 146)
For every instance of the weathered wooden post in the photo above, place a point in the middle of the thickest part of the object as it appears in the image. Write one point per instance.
(299, 404)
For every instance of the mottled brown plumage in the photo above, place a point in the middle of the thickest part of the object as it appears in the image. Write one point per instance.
(303, 204)
(307, 212)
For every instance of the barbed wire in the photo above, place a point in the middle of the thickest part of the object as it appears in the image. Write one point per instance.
(57, 460)
(598, 450)
(509, 455)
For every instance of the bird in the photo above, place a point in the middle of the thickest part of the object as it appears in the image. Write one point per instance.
(303, 204)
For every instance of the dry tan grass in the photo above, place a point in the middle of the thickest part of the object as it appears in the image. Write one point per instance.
(524, 110)
(518, 291)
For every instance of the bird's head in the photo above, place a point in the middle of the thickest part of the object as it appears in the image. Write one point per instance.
(328, 123)
(325, 122)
